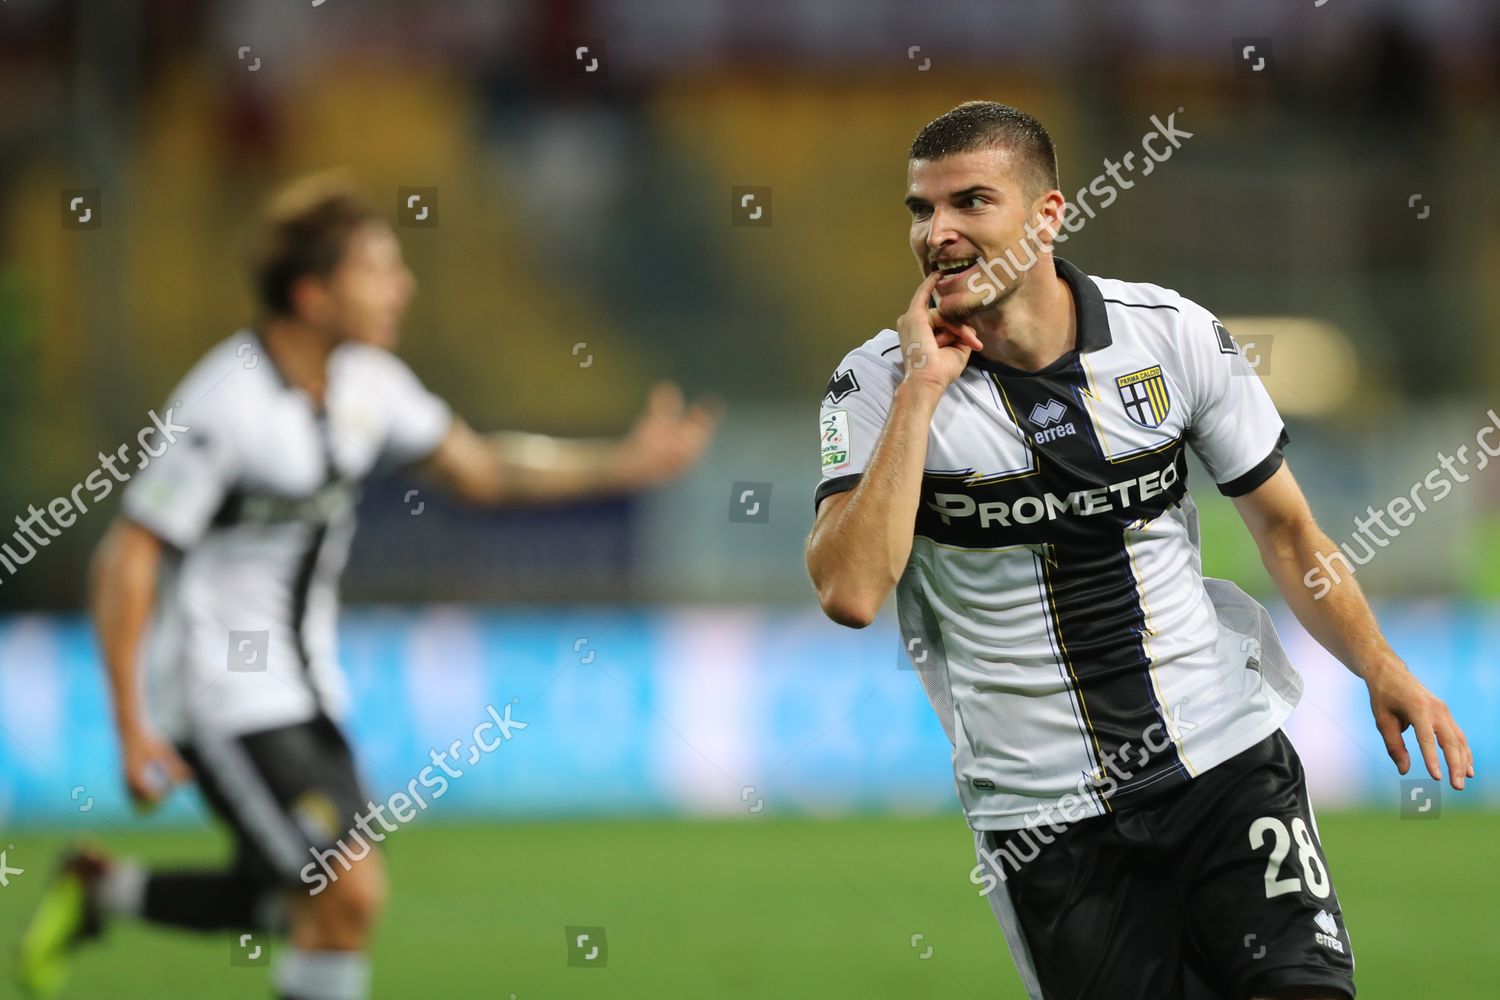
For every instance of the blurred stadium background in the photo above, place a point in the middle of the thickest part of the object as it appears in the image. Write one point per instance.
(750, 801)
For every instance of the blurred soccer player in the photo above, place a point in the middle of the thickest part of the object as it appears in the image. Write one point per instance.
(1011, 460)
(245, 523)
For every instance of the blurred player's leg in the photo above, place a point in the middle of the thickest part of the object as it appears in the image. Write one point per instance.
(291, 795)
(330, 932)
(241, 897)
(285, 794)
(198, 900)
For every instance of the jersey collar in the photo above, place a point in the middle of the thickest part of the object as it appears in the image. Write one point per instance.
(1090, 312)
(274, 369)
(1093, 318)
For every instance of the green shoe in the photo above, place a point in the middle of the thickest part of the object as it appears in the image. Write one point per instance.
(65, 918)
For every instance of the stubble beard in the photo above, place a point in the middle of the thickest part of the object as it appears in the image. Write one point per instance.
(975, 305)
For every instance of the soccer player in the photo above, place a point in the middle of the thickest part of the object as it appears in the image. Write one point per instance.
(229, 551)
(1011, 461)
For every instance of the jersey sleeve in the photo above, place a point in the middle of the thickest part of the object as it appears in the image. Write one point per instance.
(856, 403)
(176, 494)
(417, 419)
(1233, 427)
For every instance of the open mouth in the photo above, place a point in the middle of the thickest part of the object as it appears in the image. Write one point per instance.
(954, 266)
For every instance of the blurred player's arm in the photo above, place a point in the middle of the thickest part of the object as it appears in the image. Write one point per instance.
(1340, 618)
(668, 438)
(122, 593)
(861, 539)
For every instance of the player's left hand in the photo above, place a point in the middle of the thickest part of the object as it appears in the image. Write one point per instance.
(1399, 702)
(668, 438)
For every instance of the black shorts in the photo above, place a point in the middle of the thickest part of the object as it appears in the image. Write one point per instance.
(283, 792)
(1217, 888)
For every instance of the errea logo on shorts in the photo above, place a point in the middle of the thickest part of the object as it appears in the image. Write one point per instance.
(1044, 415)
(1328, 932)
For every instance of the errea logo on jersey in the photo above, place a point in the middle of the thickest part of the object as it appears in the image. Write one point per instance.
(1049, 413)
(1044, 415)
(1328, 932)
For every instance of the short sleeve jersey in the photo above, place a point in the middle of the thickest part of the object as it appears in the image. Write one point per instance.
(256, 503)
(1054, 603)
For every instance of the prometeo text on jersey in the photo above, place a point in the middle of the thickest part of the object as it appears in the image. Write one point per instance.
(1050, 506)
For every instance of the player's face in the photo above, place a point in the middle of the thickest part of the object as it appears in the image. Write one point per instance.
(371, 288)
(966, 209)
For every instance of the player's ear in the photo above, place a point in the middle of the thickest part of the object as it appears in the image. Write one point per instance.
(1048, 217)
(311, 299)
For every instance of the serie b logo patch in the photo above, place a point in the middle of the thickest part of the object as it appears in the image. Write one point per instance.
(835, 440)
(1145, 396)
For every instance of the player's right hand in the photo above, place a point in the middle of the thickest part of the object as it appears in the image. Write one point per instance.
(933, 351)
(152, 767)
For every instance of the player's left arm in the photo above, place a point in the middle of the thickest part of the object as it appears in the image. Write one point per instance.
(1340, 618)
(668, 438)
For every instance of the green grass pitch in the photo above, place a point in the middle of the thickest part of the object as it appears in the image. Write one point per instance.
(765, 907)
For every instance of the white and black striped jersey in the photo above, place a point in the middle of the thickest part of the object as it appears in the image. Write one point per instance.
(1054, 603)
(256, 502)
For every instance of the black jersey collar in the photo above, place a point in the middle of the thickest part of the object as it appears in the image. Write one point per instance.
(1093, 319)
(1089, 309)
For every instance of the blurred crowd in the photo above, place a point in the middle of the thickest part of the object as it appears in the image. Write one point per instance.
(584, 156)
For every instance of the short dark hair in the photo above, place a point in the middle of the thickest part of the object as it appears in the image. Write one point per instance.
(304, 231)
(975, 125)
